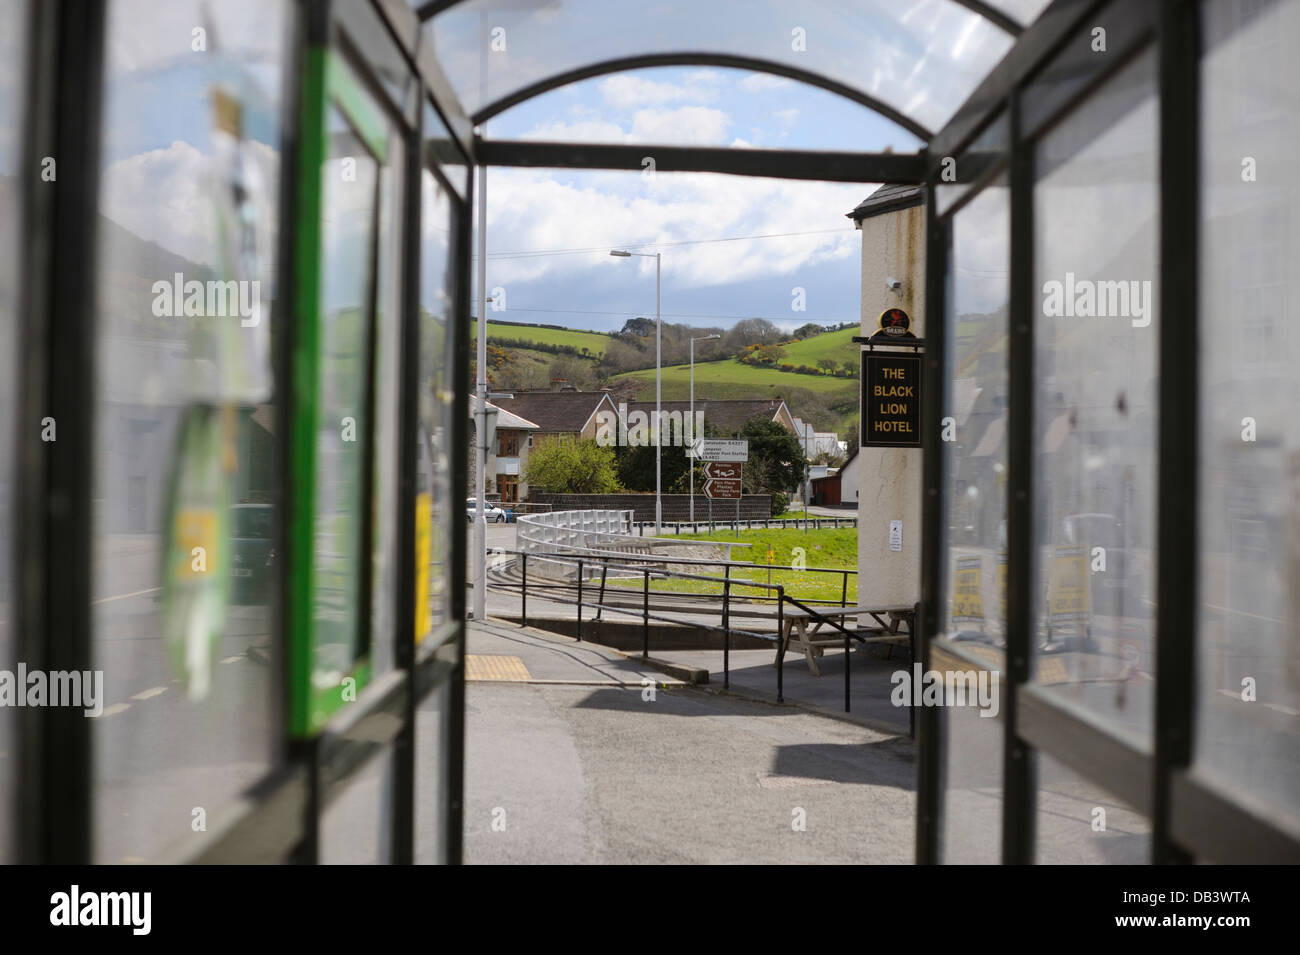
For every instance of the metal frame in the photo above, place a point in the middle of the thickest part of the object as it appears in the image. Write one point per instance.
(783, 164)
(1040, 82)
(702, 58)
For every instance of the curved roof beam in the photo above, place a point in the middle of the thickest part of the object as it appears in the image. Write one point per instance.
(754, 64)
(995, 16)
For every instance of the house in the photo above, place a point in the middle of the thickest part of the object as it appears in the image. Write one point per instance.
(507, 456)
(838, 486)
(723, 416)
(559, 412)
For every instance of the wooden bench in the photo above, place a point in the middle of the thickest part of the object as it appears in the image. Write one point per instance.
(795, 631)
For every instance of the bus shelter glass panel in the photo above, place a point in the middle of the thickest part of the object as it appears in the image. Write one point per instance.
(1248, 648)
(1095, 374)
(924, 58)
(355, 829)
(975, 472)
(13, 66)
(186, 306)
(1079, 823)
(387, 397)
(436, 513)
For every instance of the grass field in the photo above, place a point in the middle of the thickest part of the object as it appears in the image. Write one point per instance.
(828, 548)
(594, 342)
(731, 379)
(837, 346)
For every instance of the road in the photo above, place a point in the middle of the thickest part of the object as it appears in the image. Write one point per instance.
(587, 771)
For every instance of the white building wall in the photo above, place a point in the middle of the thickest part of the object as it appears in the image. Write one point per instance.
(889, 479)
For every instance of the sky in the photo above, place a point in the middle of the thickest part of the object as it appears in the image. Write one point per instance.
(732, 247)
(779, 235)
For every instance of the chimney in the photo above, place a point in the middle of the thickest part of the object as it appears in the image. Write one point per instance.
(557, 384)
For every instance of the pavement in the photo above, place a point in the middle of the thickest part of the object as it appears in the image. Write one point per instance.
(578, 754)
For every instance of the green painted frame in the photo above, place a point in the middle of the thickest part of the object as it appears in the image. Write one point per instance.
(327, 82)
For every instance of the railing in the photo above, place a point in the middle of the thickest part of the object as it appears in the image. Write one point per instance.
(749, 523)
(646, 567)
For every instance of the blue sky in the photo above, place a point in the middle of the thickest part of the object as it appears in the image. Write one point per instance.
(808, 242)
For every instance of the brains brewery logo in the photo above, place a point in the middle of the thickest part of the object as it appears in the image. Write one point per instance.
(894, 321)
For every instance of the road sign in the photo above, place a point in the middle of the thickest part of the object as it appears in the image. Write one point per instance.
(727, 488)
(713, 449)
(722, 479)
(728, 470)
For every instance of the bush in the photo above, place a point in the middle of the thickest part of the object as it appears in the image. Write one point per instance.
(572, 467)
(780, 503)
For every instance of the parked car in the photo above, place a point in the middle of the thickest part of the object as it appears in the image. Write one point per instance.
(252, 558)
(491, 512)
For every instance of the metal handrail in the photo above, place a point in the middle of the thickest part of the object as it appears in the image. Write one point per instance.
(607, 563)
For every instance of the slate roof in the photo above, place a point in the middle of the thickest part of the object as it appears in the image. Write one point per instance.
(727, 415)
(554, 411)
(888, 198)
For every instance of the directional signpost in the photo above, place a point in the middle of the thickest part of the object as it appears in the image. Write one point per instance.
(711, 449)
(722, 480)
(723, 464)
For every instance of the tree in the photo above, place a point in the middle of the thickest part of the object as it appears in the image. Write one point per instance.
(776, 459)
(807, 330)
(572, 467)
(638, 327)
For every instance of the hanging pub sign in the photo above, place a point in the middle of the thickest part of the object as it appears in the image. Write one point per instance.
(891, 400)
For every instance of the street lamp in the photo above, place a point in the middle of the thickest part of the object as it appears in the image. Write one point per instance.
(658, 380)
(694, 436)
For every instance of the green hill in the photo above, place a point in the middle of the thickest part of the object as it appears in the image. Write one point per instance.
(593, 342)
(837, 346)
(732, 379)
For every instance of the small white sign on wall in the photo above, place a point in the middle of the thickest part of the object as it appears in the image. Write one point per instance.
(895, 535)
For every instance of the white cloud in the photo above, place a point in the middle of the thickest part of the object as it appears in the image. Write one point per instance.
(684, 125)
(763, 82)
(534, 209)
(689, 125)
(787, 117)
(627, 91)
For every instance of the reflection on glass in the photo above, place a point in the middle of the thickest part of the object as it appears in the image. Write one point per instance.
(13, 63)
(185, 306)
(1097, 326)
(1079, 823)
(1248, 662)
(976, 474)
(436, 398)
(355, 829)
(350, 203)
(432, 791)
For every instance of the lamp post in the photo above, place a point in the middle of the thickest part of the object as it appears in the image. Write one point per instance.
(694, 436)
(659, 380)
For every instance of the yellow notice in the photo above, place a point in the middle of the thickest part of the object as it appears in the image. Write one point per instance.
(1069, 585)
(967, 600)
(196, 542)
(423, 556)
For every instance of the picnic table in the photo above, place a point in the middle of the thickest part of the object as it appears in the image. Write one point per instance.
(796, 634)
